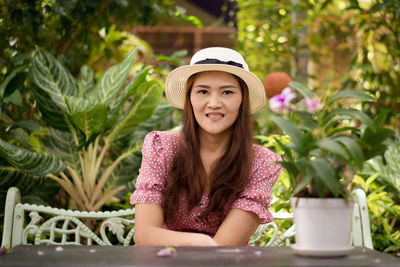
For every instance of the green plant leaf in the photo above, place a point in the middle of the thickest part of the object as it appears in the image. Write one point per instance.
(290, 129)
(303, 183)
(353, 113)
(86, 83)
(304, 91)
(337, 131)
(290, 167)
(14, 98)
(325, 172)
(12, 177)
(333, 121)
(116, 107)
(379, 120)
(353, 148)
(110, 84)
(320, 187)
(372, 138)
(91, 122)
(51, 113)
(362, 96)
(159, 120)
(63, 145)
(332, 147)
(27, 124)
(51, 78)
(287, 151)
(8, 79)
(30, 162)
(146, 101)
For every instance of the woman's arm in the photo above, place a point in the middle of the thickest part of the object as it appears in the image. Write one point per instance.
(237, 228)
(149, 231)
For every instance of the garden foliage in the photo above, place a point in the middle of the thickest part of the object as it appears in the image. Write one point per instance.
(86, 121)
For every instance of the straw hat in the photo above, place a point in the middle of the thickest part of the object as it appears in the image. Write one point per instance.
(214, 59)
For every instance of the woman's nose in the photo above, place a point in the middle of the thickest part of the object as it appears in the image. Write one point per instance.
(214, 101)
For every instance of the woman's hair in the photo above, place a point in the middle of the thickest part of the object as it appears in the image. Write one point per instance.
(229, 174)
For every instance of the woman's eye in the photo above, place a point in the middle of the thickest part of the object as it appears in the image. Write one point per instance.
(203, 92)
(227, 92)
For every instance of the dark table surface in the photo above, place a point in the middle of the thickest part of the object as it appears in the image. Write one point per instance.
(87, 256)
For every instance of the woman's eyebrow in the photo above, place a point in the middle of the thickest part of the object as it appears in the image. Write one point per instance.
(228, 86)
(202, 86)
(221, 87)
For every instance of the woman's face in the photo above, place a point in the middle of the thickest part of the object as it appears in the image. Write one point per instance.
(216, 97)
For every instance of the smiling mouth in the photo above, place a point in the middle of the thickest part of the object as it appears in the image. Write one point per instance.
(215, 116)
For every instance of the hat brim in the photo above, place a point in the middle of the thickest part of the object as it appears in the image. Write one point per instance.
(175, 84)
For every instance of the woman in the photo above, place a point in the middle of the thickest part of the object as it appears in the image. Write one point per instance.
(208, 184)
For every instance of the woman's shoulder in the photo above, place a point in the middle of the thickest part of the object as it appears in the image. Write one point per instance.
(265, 165)
(264, 154)
(163, 136)
(158, 141)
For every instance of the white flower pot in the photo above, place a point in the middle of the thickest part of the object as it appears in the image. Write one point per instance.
(323, 226)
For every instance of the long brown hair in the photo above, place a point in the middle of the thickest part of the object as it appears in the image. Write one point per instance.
(229, 174)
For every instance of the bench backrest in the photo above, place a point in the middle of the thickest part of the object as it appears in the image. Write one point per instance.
(55, 226)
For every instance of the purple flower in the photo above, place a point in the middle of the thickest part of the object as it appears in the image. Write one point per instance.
(167, 252)
(312, 104)
(281, 102)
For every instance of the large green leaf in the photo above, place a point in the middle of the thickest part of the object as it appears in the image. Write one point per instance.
(116, 107)
(51, 113)
(362, 96)
(24, 182)
(333, 147)
(376, 137)
(51, 78)
(304, 91)
(303, 183)
(325, 172)
(8, 79)
(91, 122)
(160, 120)
(353, 148)
(333, 122)
(29, 162)
(290, 129)
(110, 84)
(285, 148)
(352, 113)
(146, 101)
(342, 130)
(86, 83)
(62, 145)
(80, 104)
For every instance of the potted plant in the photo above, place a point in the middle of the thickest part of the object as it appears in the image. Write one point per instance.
(331, 138)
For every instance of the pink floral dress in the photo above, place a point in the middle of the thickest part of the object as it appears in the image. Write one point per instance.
(157, 154)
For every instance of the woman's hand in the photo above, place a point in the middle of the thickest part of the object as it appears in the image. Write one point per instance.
(149, 230)
(203, 240)
(237, 228)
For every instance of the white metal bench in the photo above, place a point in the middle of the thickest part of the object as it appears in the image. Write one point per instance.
(55, 226)
(361, 231)
(48, 225)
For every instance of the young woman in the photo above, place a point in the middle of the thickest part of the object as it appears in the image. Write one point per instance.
(208, 184)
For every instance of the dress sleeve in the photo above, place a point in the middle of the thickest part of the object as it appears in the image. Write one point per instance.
(152, 173)
(256, 197)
